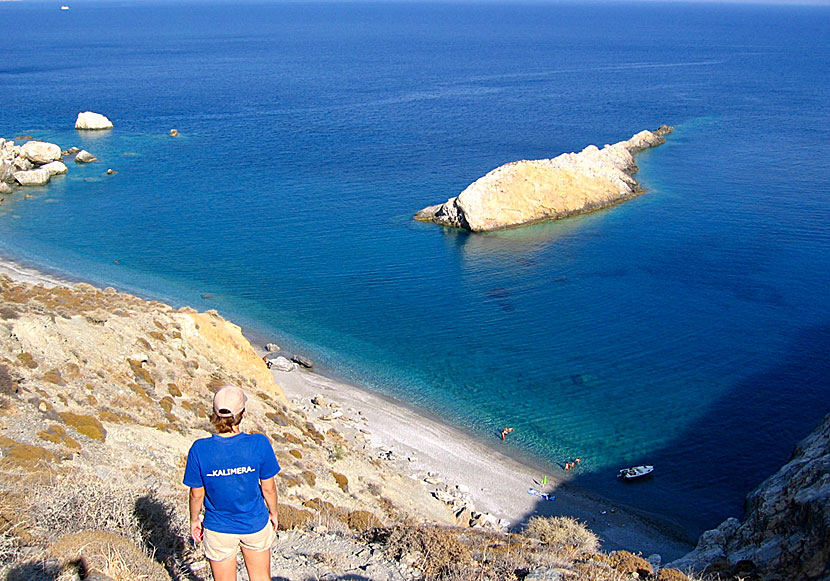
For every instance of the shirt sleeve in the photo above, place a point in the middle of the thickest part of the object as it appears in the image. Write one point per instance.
(192, 470)
(268, 467)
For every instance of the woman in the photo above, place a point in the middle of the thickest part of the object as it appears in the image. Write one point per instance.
(232, 474)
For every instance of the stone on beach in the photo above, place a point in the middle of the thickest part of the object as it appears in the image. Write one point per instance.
(40, 152)
(34, 177)
(303, 361)
(529, 191)
(282, 364)
(92, 121)
(272, 347)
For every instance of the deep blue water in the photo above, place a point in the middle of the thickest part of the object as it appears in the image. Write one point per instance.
(687, 328)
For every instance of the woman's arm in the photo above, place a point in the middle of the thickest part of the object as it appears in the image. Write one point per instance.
(269, 492)
(196, 499)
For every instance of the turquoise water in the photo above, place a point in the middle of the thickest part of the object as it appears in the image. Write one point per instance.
(687, 328)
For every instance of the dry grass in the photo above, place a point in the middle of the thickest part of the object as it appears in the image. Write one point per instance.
(434, 551)
(563, 533)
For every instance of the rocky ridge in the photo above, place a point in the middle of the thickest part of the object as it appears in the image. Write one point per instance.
(785, 533)
(529, 191)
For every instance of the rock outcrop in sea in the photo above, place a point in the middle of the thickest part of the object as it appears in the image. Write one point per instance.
(92, 121)
(786, 531)
(529, 191)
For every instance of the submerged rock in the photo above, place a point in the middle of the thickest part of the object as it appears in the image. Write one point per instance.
(524, 192)
(92, 121)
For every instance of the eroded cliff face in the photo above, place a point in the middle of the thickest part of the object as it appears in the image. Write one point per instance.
(524, 192)
(786, 531)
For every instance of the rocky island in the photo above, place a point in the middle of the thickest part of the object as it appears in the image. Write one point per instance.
(529, 191)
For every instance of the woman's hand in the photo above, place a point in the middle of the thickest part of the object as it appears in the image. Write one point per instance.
(196, 530)
(275, 520)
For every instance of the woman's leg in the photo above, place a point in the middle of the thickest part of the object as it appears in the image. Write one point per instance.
(258, 564)
(224, 570)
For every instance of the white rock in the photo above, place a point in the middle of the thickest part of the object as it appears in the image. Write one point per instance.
(40, 152)
(5, 188)
(55, 168)
(282, 364)
(84, 156)
(33, 177)
(92, 121)
(272, 347)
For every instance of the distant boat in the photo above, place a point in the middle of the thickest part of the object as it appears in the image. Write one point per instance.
(64, 7)
(635, 472)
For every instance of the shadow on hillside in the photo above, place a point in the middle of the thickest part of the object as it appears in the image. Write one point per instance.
(161, 539)
(786, 402)
(34, 572)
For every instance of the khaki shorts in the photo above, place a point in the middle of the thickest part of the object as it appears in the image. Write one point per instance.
(224, 546)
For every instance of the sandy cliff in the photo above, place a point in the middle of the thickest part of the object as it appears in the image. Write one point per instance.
(524, 192)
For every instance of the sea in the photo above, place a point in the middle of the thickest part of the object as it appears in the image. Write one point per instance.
(687, 329)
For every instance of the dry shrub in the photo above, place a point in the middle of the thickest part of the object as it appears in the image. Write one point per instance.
(110, 554)
(85, 502)
(8, 313)
(87, 425)
(563, 532)
(25, 456)
(292, 518)
(57, 435)
(361, 520)
(309, 477)
(434, 551)
(54, 376)
(27, 359)
(8, 385)
(296, 453)
(628, 563)
(174, 390)
(671, 575)
(341, 480)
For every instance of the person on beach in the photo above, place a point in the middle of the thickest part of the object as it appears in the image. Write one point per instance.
(232, 475)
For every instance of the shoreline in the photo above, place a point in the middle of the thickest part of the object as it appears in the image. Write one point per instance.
(424, 445)
(497, 483)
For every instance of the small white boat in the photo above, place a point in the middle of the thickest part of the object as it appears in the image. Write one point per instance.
(64, 7)
(635, 472)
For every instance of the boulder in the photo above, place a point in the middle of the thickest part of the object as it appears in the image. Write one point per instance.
(71, 151)
(6, 171)
(22, 164)
(5, 188)
(33, 177)
(272, 348)
(92, 121)
(40, 152)
(84, 156)
(174, 132)
(529, 191)
(303, 361)
(281, 364)
(55, 167)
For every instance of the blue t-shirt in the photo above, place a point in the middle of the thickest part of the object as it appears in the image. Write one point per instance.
(230, 470)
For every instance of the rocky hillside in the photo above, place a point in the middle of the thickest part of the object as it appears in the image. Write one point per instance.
(786, 531)
(524, 192)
